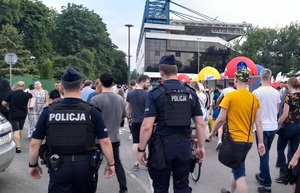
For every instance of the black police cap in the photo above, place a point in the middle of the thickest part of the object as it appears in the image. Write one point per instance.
(71, 75)
(168, 59)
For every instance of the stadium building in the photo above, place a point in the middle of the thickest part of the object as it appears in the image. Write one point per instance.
(195, 39)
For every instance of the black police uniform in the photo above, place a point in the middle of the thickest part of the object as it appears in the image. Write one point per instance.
(174, 139)
(70, 128)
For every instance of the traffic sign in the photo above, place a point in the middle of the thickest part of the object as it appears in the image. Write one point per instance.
(11, 58)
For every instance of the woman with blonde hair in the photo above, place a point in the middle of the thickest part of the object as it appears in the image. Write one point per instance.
(39, 100)
(202, 100)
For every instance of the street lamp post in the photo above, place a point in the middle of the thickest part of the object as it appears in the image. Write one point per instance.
(198, 56)
(128, 73)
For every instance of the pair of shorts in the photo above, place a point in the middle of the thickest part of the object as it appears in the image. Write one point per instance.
(241, 170)
(17, 125)
(135, 131)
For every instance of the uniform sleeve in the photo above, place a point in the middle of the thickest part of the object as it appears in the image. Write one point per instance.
(150, 110)
(40, 131)
(96, 116)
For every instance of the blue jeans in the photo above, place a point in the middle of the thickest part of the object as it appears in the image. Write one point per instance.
(292, 135)
(177, 154)
(264, 160)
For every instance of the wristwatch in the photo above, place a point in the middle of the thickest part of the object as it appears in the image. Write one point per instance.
(33, 165)
(140, 150)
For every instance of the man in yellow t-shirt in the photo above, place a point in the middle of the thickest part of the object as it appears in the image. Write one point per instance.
(237, 108)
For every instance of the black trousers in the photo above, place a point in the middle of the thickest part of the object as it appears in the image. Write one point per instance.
(72, 177)
(119, 167)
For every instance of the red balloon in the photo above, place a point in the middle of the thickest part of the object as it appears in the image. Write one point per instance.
(231, 66)
(183, 78)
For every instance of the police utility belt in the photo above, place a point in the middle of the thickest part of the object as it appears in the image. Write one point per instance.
(71, 158)
(55, 160)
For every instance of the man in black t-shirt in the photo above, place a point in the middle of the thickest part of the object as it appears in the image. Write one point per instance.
(17, 101)
(136, 107)
(55, 93)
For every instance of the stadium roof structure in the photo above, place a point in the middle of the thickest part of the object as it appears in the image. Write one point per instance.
(159, 12)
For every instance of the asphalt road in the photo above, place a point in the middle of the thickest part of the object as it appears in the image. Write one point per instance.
(214, 175)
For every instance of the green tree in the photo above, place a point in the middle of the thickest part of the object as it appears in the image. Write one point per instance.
(79, 28)
(119, 68)
(62, 63)
(276, 49)
(134, 75)
(10, 12)
(11, 41)
(46, 69)
(35, 25)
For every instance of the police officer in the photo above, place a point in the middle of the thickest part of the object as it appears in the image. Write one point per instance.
(172, 105)
(70, 128)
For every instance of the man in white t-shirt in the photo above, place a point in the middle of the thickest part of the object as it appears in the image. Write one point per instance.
(269, 99)
(226, 90)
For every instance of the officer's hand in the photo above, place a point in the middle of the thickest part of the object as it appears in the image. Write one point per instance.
(200, 152)
(142, 157)
(36, 172)
(109, 171)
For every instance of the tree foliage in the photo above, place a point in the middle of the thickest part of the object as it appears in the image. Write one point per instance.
(79, 30)
(10, 12)
(46, 69)
(12, 42)
(35, 25)
(78, 37)
(119, 68)
(276, 49)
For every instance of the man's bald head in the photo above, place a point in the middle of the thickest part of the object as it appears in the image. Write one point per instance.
(20, 85)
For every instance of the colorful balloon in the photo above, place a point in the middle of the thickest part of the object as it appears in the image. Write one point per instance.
(195, 78)
(208, 73)
(183, 78)
(259, 68)
(232, 64)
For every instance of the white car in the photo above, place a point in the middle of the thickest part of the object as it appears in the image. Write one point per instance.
(7, 145)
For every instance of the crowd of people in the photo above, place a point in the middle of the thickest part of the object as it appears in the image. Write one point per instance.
(75, 113)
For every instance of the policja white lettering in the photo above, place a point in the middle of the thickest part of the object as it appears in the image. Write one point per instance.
(67, 117)
(178, 98)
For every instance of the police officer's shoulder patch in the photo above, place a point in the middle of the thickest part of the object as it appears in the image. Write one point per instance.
(157, 90)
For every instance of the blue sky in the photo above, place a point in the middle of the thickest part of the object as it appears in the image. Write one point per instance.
(117, 13)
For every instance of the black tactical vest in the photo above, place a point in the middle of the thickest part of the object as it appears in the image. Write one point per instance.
(70, 129)
(176, 110)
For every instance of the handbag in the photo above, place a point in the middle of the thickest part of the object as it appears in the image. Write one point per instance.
(231, 153)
